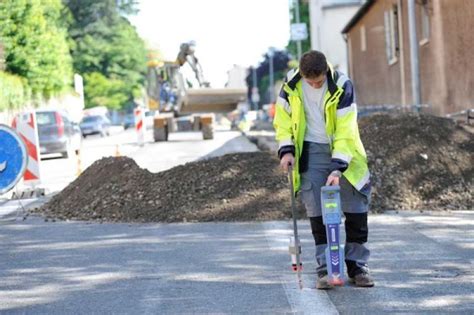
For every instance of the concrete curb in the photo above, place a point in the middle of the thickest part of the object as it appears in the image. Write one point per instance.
(264, 140)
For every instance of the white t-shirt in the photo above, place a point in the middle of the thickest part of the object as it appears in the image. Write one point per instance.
(313, 100)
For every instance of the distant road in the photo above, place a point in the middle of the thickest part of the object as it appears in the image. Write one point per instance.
(57, 173)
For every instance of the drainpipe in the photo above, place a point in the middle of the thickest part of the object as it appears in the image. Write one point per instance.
(415, 67)
(402, 54)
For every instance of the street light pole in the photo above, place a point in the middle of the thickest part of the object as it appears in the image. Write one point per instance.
(254, 89)
(271, 79)
(298, 42)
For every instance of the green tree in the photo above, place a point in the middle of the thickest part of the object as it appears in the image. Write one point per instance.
(35, 44)
(13, 91)
(102, 91)
(280, 67)
(104, 42)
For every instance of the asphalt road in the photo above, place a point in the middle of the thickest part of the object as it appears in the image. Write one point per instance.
(422, 263)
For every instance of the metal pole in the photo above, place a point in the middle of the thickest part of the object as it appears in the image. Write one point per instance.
(254, 84)
(271, 84)
(415, 67)
(295, 228)
(298, 42)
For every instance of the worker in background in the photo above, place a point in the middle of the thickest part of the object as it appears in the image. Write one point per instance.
(271, 111)
(316, 127)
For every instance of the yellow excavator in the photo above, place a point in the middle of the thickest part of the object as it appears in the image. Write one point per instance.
(180, 105)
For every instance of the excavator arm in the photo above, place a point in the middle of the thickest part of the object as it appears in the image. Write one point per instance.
(186, 55)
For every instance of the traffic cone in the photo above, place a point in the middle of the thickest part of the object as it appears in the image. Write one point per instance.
(117, 150)
(79, 167)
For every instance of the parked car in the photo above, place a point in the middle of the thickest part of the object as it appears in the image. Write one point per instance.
(95, 124)
(57, 133)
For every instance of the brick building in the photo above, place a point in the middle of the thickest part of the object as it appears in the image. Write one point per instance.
(379, 53)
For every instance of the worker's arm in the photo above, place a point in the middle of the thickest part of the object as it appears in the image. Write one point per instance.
(346, 126)
(283, 130)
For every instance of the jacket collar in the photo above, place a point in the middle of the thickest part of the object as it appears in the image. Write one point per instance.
(332, 86)
(294, 79)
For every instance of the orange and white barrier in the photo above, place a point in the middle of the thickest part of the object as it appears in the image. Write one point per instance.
(140, 125)
(25, 125)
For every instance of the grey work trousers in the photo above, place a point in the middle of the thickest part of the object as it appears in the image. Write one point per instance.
(354, 205)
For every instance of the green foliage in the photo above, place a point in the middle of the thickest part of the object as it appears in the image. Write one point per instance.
(104, 42)
(280, 68)
(264, 84)
(35, 44)
(102, 91)
(13, 91)
(304, 18)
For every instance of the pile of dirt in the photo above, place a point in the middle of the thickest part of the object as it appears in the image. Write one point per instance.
(234, 187)
(418, 162)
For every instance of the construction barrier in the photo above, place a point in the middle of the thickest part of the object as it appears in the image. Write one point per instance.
(25, 125)
(140, 125)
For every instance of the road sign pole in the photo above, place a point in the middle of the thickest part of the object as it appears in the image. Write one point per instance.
(298, 42)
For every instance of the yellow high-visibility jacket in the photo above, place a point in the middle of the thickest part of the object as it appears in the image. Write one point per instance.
(340, 113)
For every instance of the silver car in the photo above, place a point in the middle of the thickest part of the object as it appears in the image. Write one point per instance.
(95, 124)
(57, 133)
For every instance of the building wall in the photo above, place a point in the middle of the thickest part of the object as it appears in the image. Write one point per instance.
(458, 34)
(376, 82)
(432, 69)
(236, 77)
(326, 23)
(446, 70)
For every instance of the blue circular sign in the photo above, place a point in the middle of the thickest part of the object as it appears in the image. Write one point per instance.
(13, 158)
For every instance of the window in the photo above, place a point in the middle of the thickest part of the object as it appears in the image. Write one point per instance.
(425, 23)
(45, 118)
(391, 34)
(363, 39)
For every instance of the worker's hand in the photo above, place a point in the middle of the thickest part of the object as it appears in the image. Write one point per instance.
(286, 160)
(333, 178)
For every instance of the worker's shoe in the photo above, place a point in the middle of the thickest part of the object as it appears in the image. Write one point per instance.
(322, 283)
(362, 280)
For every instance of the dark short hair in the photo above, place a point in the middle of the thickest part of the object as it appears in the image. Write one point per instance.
(312, 64)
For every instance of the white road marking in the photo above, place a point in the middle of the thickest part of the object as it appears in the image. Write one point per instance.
(302, 301)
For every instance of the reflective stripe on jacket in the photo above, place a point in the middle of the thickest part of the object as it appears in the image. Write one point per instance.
(340, 113)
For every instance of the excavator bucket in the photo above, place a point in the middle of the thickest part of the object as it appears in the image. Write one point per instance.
(206, 100)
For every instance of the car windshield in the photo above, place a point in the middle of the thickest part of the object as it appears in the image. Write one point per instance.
(45, 118)
(89, 119)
